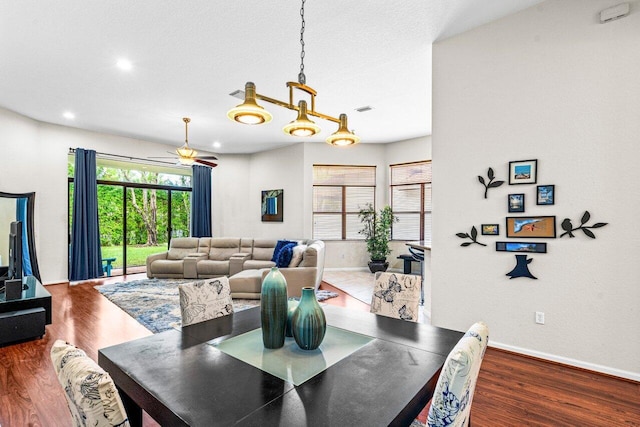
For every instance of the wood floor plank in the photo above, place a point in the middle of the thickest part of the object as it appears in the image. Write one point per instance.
(512, 390)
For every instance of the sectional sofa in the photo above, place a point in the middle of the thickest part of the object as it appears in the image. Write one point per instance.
(244, 260)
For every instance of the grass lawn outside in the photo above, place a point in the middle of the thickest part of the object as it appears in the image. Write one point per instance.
(136, 255)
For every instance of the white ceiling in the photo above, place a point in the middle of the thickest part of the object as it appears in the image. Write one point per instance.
(58, 56)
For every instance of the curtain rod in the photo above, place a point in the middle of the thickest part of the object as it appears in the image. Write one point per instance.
(118, 156)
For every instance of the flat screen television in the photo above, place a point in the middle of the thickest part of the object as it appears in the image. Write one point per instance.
(15, 251)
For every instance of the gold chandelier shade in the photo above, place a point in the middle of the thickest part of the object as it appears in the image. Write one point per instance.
(343, 136)
(301, 126)
(249, 112)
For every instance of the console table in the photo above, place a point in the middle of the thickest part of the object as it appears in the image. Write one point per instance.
(25, 317)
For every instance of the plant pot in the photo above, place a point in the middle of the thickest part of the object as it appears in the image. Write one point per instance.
(376, 265)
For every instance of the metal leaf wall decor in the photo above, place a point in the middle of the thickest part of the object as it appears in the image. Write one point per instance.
(489, 184)
(473, 236)
(568, 228)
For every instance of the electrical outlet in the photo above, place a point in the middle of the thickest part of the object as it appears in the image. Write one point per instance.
(540, 317)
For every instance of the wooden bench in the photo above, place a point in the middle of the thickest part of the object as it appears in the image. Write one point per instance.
(408, 259)
(107, 267)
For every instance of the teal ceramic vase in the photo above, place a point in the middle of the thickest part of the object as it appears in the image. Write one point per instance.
(273, 309)
(308, 323)
(293, 304)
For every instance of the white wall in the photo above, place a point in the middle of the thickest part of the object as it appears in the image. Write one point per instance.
(549, 83)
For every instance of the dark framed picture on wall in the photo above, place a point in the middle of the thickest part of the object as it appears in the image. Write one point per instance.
(523, 172)
(538, 248)
(545, 194)
(531, 226)
(516, 202)
(490, 229)
(272, 205)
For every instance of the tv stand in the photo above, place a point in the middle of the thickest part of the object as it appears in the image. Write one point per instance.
(25, 317)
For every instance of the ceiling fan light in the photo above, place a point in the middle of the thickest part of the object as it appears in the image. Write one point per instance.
(301, 126)
(186, 152)
(249, 112)
(186, 161)
(343, 136)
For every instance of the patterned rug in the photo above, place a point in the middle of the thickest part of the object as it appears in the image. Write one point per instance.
(155, 303)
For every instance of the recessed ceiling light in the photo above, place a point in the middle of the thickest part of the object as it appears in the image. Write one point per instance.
(68, 115)
(217, 144)
(124, 64)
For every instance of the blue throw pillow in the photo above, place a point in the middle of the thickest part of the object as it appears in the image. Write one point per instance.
(276, 251)
(285, 255)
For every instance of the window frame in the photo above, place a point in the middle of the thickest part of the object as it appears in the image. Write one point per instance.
(422, 212)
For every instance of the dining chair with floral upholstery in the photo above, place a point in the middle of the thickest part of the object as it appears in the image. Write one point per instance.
(203, 300)
(396, 295)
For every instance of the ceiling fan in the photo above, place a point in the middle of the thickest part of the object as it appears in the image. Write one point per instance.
(187, 155)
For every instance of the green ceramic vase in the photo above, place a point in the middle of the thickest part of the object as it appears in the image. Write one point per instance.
(273, 309)
(293, 304)
(309, 323)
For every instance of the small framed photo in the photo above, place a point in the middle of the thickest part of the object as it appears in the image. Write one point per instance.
(531, 227)
(490, 229)
(545, 194)
(516, 202)
(538, 248)
(523, 172)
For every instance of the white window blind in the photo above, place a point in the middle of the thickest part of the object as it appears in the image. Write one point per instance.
(411, 200)
(339, 192)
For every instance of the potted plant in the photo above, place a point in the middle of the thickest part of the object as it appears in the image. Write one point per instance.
(377, 234)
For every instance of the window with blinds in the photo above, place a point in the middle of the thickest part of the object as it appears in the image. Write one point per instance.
(339, 192)
(411, 200)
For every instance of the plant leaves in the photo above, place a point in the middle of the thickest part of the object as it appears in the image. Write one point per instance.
(566, 224)
(496, 184)
(585, 217)
(474, 233)
(465, 244)
(481, 179)
(589, 233)
(462, 235)
(490, 173)
(599, 224)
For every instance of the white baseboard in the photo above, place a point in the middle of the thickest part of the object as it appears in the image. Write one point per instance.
(568, 361)
(392, 270)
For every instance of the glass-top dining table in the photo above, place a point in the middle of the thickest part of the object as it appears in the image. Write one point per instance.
(370, 370)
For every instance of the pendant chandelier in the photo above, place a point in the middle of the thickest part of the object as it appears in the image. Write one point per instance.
(250, 113)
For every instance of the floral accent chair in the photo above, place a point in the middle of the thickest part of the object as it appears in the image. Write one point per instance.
(205, 299)
(451, 402)
(91, 394)
(396, 295)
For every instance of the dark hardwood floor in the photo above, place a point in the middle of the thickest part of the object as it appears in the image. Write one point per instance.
(512, 390)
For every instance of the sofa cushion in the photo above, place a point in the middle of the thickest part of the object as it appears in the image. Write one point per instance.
(279, 245)
(212, 268)
(296, 257)
(310, 256)
(181, 247)
(285, 255)
(223, 248)
(257, 264)
(165, 266)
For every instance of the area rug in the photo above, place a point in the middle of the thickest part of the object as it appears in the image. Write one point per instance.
(155, 303)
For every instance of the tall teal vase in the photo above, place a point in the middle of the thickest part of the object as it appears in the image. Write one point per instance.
(273, 309)
(308, 323)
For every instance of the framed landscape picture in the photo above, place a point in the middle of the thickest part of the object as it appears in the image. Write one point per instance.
(516, 203)
(523, 172)
(272, 205)
(531, 227)
(531, 247)
(490, 229)
(545, 194)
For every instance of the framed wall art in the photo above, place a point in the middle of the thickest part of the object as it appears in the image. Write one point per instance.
(490, 229)
(516, 202)
(531, 227)
(523, 172)
(538, 248)
(545, 194)
(272, 205)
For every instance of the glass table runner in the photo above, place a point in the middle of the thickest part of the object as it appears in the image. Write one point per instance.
(290, 363)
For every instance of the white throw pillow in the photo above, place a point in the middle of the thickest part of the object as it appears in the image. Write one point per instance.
(296, 258)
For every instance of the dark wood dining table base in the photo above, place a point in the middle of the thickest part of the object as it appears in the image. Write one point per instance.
(179, 379)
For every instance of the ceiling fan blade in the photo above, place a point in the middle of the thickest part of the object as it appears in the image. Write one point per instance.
(206, 163)
(208, 157)
(162, 157)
